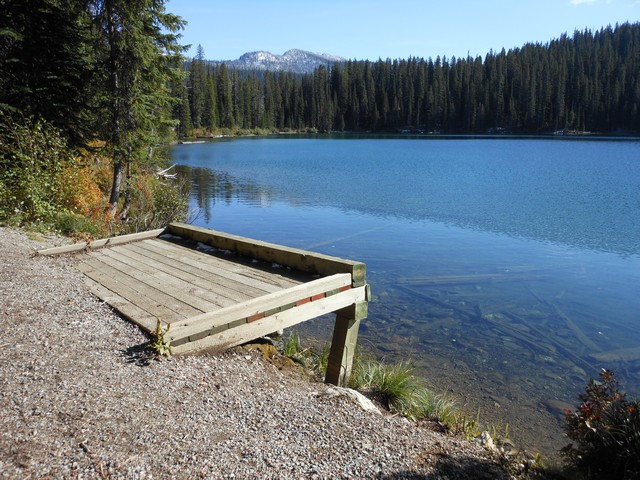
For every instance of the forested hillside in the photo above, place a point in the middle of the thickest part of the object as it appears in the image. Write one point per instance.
(588, 82)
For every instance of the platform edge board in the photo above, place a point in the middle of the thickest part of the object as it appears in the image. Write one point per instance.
(240, 334)
(183, 329)
(103, 242)
(292, 257)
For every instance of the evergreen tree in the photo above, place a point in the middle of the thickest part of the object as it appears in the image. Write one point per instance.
(197, 81)
(141, 55)
(46, 63)
(210, 113)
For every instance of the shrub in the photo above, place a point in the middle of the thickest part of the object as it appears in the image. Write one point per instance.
(44, 184)
(75, 225)
(156, 203)
(33, 155)
(606, 428)
(429, 405)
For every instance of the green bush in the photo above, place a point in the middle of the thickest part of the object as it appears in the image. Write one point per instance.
(429, 405)
(72, 224)
(397, 388)
(393, 385)
(33, 156)
(606, 429)
(157, 203)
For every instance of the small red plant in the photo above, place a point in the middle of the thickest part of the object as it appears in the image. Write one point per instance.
(606, 429)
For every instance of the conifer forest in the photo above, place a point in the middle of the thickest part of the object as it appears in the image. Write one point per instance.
(585, 82)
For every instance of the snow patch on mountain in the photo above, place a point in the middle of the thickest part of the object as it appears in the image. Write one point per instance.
(297, 61)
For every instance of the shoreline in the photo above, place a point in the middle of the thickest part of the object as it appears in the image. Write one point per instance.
(81, 399)
(567, 136)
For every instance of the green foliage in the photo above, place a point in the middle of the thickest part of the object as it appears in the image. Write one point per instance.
(429, 405)
(33, 156)
(322, 360)
(290, 345)
(392, 385)
(159, 345)
(156, 203)
(97, 70)
(45, 186)
(400, 391)
(73, 224)
(606, 429)
(46, 61)
(468, 426)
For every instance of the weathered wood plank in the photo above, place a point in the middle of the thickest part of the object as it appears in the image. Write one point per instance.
(343, 342)
(78, 247)
(292, 257)
(210, 320)
(138, 294)
(207, 261)
(128, 310)
(167, 284)
(577, 331)
(243, 333)
(215, 275)
(185, 282)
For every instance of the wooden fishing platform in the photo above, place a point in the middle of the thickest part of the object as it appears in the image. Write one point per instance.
(217, 290)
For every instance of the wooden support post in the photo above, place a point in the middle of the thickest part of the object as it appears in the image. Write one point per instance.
(343, 344)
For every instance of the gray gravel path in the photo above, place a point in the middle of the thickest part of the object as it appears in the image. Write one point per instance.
(77, 400)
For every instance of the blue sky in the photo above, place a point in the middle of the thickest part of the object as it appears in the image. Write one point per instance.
(372, 29)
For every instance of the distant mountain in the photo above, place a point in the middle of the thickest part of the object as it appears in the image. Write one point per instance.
(297, 61)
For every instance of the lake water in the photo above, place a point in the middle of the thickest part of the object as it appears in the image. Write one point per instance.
(507, 270)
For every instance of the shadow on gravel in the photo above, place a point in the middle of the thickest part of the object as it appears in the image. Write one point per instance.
(460, 468)
(139, 355)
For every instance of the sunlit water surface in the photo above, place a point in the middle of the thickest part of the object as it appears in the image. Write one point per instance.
(506, 270)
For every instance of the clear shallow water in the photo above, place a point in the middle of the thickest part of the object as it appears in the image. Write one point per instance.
(507, 270)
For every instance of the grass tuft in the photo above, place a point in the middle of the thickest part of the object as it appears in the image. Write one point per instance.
(290, 345)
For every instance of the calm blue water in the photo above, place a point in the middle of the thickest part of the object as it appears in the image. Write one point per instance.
(506, 270)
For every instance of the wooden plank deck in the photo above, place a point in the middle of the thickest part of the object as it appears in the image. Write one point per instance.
(218, 290)
(170, 281)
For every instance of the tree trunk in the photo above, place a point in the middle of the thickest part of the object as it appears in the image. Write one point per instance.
(127, 191)
(114, 198)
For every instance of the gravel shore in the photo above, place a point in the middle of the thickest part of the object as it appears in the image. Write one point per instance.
(78, 399)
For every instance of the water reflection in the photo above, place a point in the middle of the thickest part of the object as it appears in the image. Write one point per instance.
(209, 187)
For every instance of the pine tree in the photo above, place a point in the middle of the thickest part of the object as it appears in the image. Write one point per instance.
(141, 55)
(45, 63)
(198, 87)
(210, 112)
